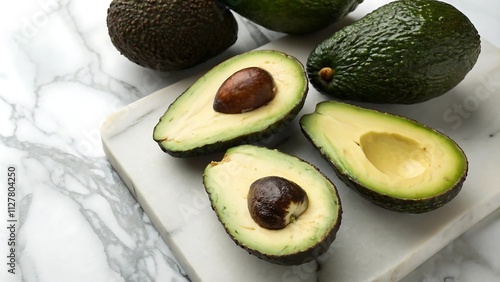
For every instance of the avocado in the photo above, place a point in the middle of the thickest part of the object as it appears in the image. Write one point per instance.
(293, 17)
(404, 52)
(242, 100)
(395, 162)
(276, 206)
(169, 35)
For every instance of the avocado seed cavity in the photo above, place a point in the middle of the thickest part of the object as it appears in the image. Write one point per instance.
(274, 202)
(395, 155)
(245, 90)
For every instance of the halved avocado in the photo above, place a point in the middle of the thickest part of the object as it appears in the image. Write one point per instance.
(306, 236)
(395, 162)
(191, 126)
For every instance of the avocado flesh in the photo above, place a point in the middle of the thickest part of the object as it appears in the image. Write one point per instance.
(293, 17)
(191, 126)
(227, 183)
(170, 35)
(393, 161)
(405, 52)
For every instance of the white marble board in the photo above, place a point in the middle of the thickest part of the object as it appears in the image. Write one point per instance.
(373, 244)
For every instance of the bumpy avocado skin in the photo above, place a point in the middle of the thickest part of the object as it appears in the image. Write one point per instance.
(405, 52)
(293, 17)
(170, 35)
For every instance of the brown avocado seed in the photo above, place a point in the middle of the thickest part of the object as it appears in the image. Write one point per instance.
(245, 90)
(274, 202)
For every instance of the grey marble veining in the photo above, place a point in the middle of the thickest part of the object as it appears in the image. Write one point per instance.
(60, 78)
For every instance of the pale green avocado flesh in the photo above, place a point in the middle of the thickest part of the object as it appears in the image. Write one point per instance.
(393, 161)
(191, 126)
(227, 183)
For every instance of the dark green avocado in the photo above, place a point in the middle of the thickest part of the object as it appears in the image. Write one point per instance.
(405, 52)
(251, 185)
(394, 162)
(224, 107)
(293, 17)
(170, 35)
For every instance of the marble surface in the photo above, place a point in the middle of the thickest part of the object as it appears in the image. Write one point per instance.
(373, 244)
(75, 220)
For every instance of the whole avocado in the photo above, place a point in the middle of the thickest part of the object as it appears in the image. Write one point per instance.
(405, 52)
(170, 35)
(293, 17)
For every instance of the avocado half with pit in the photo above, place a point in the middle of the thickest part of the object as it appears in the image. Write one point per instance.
(276, 206)
(242, 100)
(395, 162)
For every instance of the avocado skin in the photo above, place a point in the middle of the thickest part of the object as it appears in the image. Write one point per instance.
(300, 257)
(293, 17)
(405, 52)
(221, 146)
(415, 206)
(397, 204)
(170, 35)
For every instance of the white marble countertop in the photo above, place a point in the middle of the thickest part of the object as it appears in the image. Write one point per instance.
(74, 219)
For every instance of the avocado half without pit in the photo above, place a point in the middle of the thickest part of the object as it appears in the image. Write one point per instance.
(397, 163)
(274, 205)
(242, 100)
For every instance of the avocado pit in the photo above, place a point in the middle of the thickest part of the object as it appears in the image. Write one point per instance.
(245, 90)
(275, 201)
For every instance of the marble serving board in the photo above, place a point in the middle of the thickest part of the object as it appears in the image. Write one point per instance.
(372, 244)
